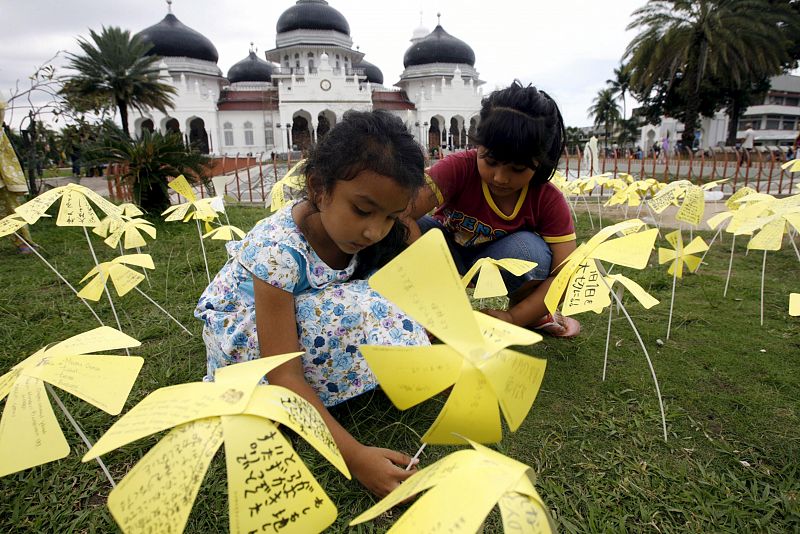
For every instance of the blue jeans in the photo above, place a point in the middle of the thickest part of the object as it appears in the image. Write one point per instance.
(521, 245)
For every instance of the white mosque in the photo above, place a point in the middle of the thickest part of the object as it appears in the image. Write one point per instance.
(307, 82)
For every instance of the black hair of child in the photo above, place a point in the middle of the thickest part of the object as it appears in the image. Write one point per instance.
(374, 141)
(523, 126)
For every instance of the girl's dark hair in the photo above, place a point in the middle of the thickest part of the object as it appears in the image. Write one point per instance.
(374, 141)
(523, 126)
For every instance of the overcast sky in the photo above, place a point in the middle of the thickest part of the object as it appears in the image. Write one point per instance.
(567, 47)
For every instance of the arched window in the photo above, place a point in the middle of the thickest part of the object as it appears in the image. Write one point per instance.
(248, 133)
(269, 135)
(311, 54)
(227, 130)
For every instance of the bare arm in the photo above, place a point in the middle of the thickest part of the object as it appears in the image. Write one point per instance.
(375, 468)
(423, 203)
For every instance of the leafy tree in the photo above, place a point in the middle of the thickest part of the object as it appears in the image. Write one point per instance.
(683, 44)
(114, 68)
(628, 131)
(573, 136)
(605, 111)
(150, 162)
(620, 85)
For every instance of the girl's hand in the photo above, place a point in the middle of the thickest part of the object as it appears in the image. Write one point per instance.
(500, 314)
(380, 470)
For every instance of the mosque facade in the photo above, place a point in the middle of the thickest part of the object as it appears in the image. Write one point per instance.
(303, 86)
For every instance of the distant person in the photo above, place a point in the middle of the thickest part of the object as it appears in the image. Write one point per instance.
(748, 141)
(665, 146)
(497, 202)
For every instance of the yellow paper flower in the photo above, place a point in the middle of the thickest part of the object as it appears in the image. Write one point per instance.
(269, 487)
(29, 432)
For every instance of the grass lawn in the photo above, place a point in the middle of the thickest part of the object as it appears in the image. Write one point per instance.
(731, 391)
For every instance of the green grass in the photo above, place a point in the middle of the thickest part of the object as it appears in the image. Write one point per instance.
(731, 390)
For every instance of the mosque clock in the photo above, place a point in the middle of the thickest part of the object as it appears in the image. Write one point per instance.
(325, 85)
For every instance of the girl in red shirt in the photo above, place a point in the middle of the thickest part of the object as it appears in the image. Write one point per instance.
(497, 201)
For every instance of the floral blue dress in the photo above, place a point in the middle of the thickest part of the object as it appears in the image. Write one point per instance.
(334, 314)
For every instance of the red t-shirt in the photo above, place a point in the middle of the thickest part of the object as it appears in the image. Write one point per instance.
(467, 210)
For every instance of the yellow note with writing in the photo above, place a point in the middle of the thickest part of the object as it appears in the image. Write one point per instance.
(35, 208)
(410, 377)
(269, 487)
(75, 210)
(770, 237)
(11, 224)
(586, 290)
(515, 378)
(288, 408)
(169, 407)
(103, 381)
(693, 206)
(183, 188)
(794, 304)
(499, 334)
(157, 494)
(471, 411)
(29, 432)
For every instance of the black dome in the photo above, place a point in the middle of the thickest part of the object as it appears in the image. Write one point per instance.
(172, 38)
(250, 69)
(373, 73)
(439, 47)
(312, 15)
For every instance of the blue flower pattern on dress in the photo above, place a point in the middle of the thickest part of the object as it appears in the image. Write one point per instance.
(334, 314)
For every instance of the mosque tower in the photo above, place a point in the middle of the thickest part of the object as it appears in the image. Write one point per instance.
(441, 81)
(189, 63)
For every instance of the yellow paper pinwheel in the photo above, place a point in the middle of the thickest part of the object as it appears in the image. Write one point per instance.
(631, 195)
(130, 210)
(74, 210)
(200, 208)
(794, 304)
(490, 281)
(10, 224)
(693, 201)
(424, 283)
(631, 250)
(587, 184)
(269, 487)
(223, 233)
(461, 489)
(29, 432)
(123, 277)
(131, 230)
(294, 180)
(791, 165)
(772, 228)
(679, 255)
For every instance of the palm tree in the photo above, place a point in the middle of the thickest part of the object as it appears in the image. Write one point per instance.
(149, 163)
(114, 66)
(620, 85)
(693, 40)
(605, 110)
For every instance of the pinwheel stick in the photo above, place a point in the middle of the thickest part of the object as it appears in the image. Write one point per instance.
(80, 432)
(61, 277)
(791, 239)
(730, 265)
(675, 266)
(105, 284)
(203, 247)
(600, 208)
(588, 210)
(608, 339)
(157, 305)
(763, 270)
(709, 248)
(646, 355)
